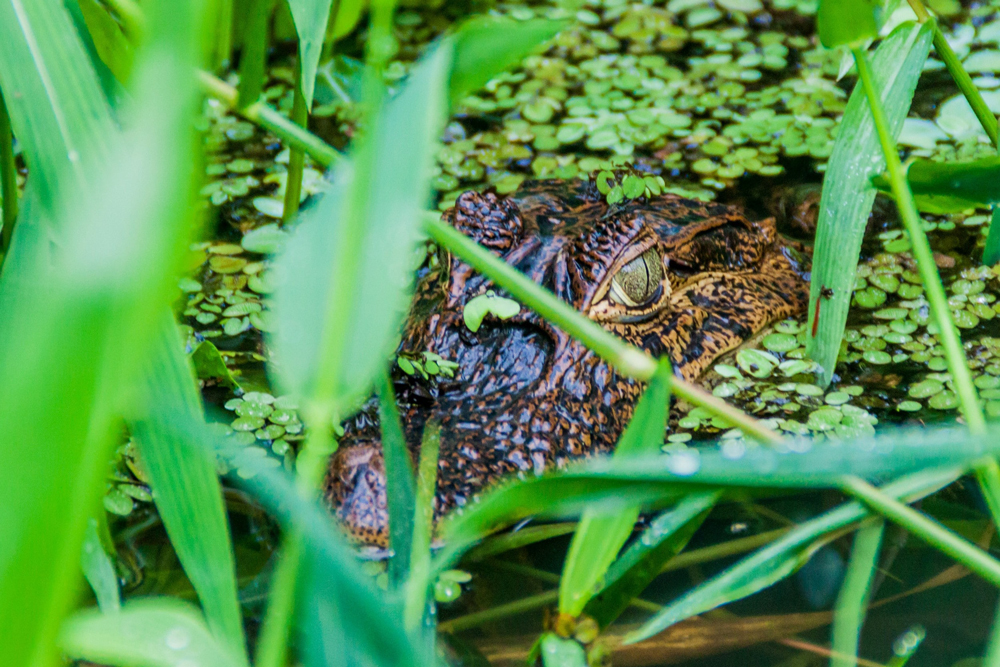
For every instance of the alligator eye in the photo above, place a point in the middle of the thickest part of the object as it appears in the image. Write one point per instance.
(637, 282)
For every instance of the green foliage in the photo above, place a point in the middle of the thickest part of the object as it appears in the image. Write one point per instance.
(479, 307)
(310, 17)
(139, 633)
(846, 22)
(947, 187)
(600, 536)
(848, 193)
(186, 487)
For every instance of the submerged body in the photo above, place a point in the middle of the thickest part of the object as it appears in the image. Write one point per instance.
(673, 276)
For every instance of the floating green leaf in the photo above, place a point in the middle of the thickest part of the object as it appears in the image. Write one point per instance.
(479, 307)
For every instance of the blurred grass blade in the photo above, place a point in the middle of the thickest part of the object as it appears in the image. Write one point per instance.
(665, 537)
(321, 287)
(146, 633)
(400, 490)
(253, 57)
(348, 15)
(102, 272)
(846, 22)
(418, 584)
(852, 603)
(781, 558)
(8, 181)
(310, 17)
(991, 252)
(100, 571)
(951, 187)
(600, 536)
(372, 618)
(186, 486)
(57, 108)
(847, 190)
(111, 45)
(487, 45)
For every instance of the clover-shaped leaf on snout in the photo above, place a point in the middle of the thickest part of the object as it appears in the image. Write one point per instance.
(488, 304)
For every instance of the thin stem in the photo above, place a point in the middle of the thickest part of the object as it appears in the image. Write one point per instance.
(954, 355)
(132, 19)
(270, 120)
(8, 181)
(272, 647)
(296, 157)
(925, 528)
(992, 657)
(418, 583)
(959, 75)
(629, 360)
(309, 469)
(852, 603)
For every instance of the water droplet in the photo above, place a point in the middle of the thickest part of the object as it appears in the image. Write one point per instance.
(683, 463)
(178, 638)
(73, 156)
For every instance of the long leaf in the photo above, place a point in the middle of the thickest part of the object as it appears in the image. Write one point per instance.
(146, 633)
(665, 537)
(321, 287)
(116, 208)
(400, 485)
(57, 108)
(485, 46)
(779, 559)
(600, 536)
(847, 190)
(852, 603)
(186, 487)
(310, 17)
(949, 187)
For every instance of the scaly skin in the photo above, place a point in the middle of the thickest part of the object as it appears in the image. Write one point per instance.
(527, 397)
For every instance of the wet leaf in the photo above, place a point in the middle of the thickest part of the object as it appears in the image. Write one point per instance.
(949, 187)
(310, 18)
(209, 364)
(847, 191)
(154, 633)
(600, 536)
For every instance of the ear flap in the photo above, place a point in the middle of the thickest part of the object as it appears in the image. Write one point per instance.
(493, 221)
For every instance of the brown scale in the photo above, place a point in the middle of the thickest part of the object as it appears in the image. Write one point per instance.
(526, 396)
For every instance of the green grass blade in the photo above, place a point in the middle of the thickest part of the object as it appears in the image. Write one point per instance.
(253, 58)
(100, 571)
(400, 491)
(57, 108)
(781, 558)
(665, 537)
(150, 633)
(121, 213)
(111, 45)
(372, 618)
(847, 190)
(852, 603)
(310, 17)
(954, 354)
(487, 45)
(926, 529)
(348, 15)
(846, 22)
(600, 536)
(951, 187)
(8, 181)
(991, 252)
(186, 486)
(349, 261)
(418, 584)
